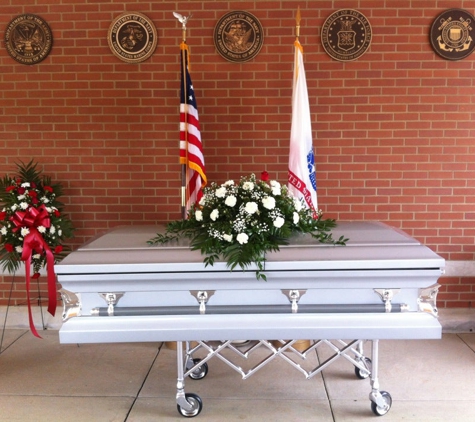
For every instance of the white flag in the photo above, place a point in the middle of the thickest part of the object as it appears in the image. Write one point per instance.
(302, 177)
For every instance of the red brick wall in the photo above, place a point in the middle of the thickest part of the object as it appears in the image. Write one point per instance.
(393, 130)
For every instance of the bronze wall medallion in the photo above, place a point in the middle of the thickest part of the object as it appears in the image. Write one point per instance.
(28, 39)
(132, 37)
(451, 34)
(346, 35)
(238, 36)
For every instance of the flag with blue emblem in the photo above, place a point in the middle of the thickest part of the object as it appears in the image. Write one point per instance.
(302, 177)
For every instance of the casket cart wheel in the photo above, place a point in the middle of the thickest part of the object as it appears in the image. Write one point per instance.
(200, 372)
(382, 410)
(362, 375)
(196, 403)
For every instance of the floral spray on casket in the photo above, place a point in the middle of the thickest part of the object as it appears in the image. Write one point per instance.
(32, 228)
(241, 222)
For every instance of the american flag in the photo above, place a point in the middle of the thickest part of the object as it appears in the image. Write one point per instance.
(191, 148)
(302, 175)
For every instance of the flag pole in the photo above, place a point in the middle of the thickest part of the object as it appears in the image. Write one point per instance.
(297, 21)
(184, 168)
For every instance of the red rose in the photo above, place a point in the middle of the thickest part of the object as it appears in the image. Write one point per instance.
(10, 188)
(48, 188)
(9, 247)
(32, 193)
(34, 201)
(58, 249)
(57, 213)
(33, 185)
(36, 275)
(265, 176)
(21, 190)
(3, 214)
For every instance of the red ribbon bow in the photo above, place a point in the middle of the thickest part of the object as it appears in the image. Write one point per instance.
(34, 242)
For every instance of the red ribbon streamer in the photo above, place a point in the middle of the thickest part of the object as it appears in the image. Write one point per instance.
(35, 243)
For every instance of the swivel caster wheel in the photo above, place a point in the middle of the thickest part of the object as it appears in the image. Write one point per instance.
(382, 410)
(200, 372)
(360, 373)
(195, 402)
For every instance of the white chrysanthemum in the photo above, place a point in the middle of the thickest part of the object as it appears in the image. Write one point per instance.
(296, 218)
(25, 231)
(199, 215)
(228, 237)
(230, 201)
(268, 202)
(251, 207)
(19, 249)
(42, 229)
(242, 238)
(23, 205)
(25, 185)
(3, 230)
(20, 197)
(221, 192)
(214, 214)
(44, 199)
(229, 183)
(279, 222)
(52, 230)
(248, 186)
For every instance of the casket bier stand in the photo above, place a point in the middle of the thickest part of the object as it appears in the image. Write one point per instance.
(381, 285)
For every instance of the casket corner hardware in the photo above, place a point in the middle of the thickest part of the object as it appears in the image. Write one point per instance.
(427, 300)
(71, 304)
(111, 298)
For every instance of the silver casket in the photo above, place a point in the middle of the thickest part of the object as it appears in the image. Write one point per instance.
(381, 285)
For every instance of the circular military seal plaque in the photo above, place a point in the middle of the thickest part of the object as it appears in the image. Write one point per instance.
(451, 34)
(238, 36)
(346, 35)
(28, 39)
(132, 37)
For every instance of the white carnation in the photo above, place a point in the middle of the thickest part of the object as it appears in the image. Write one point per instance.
(230, 201)
(251, 207)
(42, 229)
(221, 192)
(199, 215)
(25, 185)
(279, 222)
(3, 230)
(296, 218)
(214, 214)
(248, 186)
(23, 205)
(20, 197)
(229, 183)
(242, 238)
(19, 249)
(275, 187)
(268, 202)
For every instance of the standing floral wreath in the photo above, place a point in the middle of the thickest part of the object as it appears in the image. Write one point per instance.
(32, 227)
(241, 222)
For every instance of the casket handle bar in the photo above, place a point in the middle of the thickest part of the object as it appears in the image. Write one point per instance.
(294, 297)
(112, 299)
(202, 297)
(386, 296)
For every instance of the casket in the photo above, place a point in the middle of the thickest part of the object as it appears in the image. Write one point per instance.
(381, 285)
